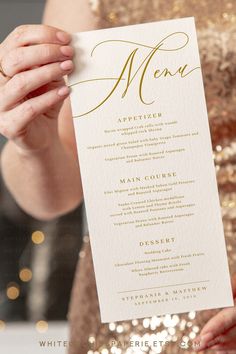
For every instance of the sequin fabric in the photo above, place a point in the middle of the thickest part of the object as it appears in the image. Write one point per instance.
(216, 29)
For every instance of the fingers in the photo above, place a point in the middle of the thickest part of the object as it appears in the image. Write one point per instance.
(201, 342)
(21, 59)
(14, 122)
(36, 34)
(26, 82)
(227, 348)
(225, 341)
(221, 322)
(216, 327)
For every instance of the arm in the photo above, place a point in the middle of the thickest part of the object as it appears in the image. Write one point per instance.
(39, 162)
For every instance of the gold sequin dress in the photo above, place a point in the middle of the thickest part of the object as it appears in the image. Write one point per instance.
(216, 29)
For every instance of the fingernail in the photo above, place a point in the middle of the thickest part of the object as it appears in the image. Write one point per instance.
(201, 342)
(67, 65)
(63, 91)
(67, 51)
(64, 37)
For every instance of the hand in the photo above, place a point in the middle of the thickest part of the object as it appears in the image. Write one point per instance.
(219, 333)
(35, 58)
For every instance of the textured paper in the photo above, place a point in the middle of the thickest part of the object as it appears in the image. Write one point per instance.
(147, 170)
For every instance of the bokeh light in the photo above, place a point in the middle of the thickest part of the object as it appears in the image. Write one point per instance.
(38, 237)
(41, 326)
(13, 291)
(25, 274)
(2, 325)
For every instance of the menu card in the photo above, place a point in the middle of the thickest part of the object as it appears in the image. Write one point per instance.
(147, 171)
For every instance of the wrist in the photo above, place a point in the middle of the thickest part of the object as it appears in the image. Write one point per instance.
(36, 153)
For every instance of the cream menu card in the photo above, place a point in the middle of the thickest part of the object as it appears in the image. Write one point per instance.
(147, 171)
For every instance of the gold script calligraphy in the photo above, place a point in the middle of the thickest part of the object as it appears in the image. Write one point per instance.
(128, 74)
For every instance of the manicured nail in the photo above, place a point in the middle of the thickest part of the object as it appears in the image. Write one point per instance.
(63, 91)
(201, 342)
(67, 51)
(67, 65)
(64, 37)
